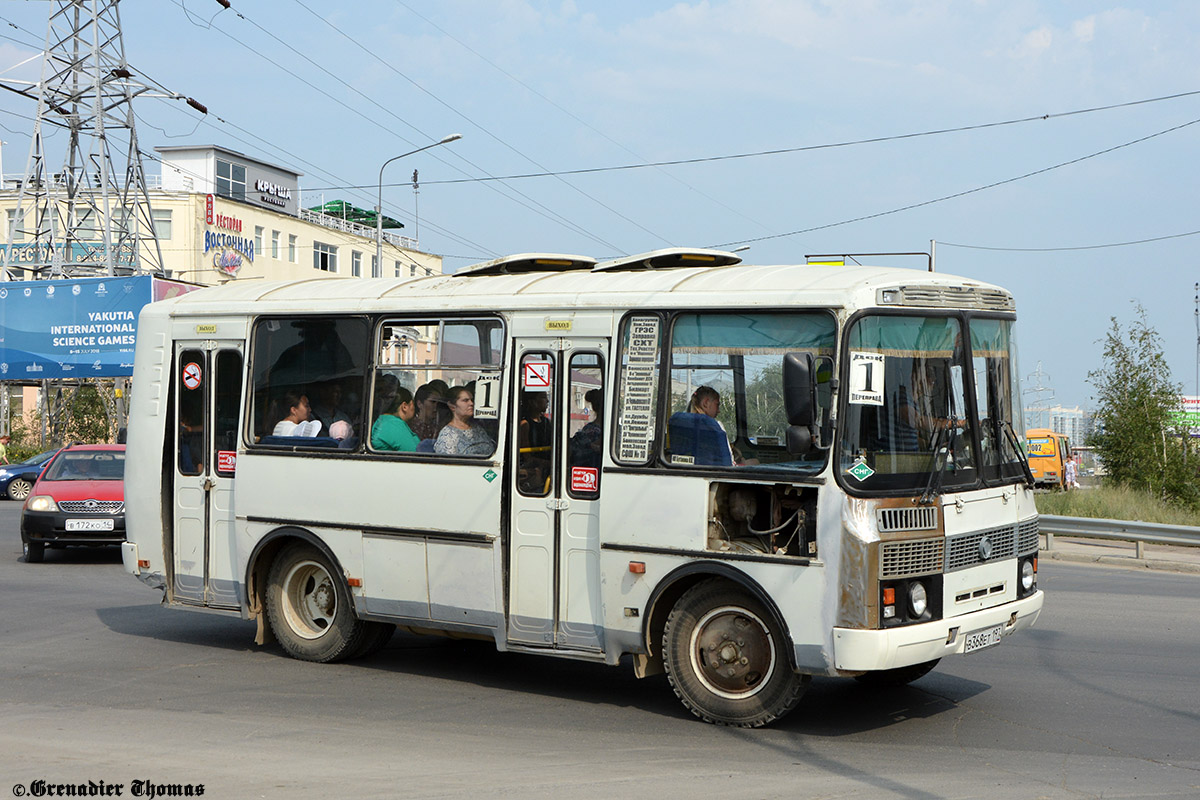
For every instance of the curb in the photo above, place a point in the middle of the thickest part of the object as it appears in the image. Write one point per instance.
(1160, 565)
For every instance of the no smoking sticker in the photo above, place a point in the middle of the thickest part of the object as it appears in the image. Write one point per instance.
(537, 375)
(191, 375)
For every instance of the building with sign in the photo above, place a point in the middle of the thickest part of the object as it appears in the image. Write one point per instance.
(221, 215)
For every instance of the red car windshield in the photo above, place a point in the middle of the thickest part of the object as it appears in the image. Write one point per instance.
(87, 465)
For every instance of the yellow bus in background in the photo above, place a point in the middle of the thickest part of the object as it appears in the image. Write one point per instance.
(1048, 456)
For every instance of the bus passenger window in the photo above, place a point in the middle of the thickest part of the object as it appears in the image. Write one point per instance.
(726, 384)
(535, 426)
(308, 379)
(585, 427)
(192, 384)
(426, 363)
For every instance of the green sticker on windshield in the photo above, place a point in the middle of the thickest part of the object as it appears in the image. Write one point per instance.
(860, 470)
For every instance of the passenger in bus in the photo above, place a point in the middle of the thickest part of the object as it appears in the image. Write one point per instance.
(697, 432)
(534, 440)
(294, 414)
(386, 386)
(327, 405)
(191, 445)
(391, 431)
(587, 443)
(462, 436)
(429, 400)
(534, 427)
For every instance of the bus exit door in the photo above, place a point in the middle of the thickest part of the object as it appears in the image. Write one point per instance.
(556, 446)
(208, 395)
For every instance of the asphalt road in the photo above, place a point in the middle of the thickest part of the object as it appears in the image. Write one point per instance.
(100, 683)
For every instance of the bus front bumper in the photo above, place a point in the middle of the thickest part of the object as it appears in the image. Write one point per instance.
(858, 650)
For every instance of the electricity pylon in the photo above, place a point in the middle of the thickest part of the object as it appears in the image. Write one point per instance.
(93, 216)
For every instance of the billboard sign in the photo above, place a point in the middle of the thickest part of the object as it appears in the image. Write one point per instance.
(1188, 414)
(78, 328)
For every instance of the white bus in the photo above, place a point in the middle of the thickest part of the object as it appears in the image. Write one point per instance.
(743, 476)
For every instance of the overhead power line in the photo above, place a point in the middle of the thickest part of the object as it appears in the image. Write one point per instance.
(522, 199)
(964, 193)
(390, 66)
(799, 148)
(1065, 249)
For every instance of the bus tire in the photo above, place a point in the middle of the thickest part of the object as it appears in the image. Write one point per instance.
(375, 636)
(309, 607)
(896, 677)
(725, 658)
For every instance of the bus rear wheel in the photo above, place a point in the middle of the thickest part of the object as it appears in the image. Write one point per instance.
(724, 656)
(309, 607)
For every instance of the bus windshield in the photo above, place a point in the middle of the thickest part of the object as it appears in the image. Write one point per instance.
(911, 391)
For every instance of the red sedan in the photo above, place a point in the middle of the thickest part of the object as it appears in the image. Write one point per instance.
(78, 500)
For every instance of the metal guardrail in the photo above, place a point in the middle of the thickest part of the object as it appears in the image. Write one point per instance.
(1117, 530)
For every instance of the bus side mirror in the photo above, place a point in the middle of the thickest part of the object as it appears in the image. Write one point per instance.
(807, 397)
(799, 395)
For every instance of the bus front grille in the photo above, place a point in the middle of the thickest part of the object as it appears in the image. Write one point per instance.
(969, 549)
(905, 559)
(1027, 537)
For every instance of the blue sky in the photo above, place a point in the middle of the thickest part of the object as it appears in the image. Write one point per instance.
(334, 90)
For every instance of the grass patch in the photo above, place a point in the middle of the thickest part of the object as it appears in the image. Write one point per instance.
(1114, 502)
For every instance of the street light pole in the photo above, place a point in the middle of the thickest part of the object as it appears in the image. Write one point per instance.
(375, 273)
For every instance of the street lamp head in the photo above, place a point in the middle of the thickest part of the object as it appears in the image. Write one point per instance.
(451, 138)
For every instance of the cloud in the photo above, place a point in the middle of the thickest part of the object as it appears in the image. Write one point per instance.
(1084, 29)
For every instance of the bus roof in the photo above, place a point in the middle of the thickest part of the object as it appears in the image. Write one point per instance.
(579, 287)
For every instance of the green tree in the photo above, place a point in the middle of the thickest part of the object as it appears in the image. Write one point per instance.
(1136, 436)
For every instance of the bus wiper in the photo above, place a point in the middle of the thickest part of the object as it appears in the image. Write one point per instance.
(1015, 441)
(938, 469)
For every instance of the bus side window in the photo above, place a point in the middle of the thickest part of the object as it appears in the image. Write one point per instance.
(192, 385)
(425, 362)
(308, 381)
(585, 425)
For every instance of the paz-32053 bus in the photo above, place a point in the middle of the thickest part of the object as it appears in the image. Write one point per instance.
(740, 475)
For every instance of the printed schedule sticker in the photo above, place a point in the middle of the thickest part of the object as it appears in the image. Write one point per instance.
(487, 395)
(866, 378)
(637, 390)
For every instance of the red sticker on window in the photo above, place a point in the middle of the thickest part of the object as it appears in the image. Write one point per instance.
(226, 460)
(191, 375)
(537, 375)
(585, 479)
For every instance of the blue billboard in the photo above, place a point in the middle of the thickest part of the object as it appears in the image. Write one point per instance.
(78, 328)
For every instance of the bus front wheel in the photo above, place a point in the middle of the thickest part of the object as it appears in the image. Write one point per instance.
(309, 607)
(724, 656)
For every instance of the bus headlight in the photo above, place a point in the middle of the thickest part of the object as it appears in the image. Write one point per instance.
(1027, 574)
(918, 599)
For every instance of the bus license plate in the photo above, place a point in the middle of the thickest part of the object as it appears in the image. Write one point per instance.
(981, 640)
(89, 524)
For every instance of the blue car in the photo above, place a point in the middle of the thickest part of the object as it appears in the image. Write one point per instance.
(17, 480)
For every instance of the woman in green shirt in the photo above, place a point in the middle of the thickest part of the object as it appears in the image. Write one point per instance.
(391, 430)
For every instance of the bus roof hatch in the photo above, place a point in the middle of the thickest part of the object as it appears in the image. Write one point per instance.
(529, 262)
(672, 257)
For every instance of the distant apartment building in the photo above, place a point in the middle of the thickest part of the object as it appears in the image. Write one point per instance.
(1075, 423)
